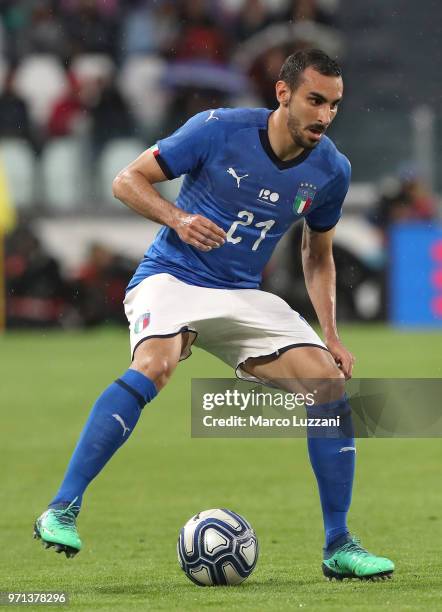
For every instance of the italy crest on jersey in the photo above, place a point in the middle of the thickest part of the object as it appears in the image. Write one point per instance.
(304, 198)
(142, 322)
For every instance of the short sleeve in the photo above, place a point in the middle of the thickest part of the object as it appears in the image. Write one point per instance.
(188, 147)
(326, 215)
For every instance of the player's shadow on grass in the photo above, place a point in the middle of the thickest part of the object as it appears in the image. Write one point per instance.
(157, 588)
(131, 589)
(249, 585)
(271, 583)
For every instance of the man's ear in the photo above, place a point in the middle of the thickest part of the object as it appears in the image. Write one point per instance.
(283, 93)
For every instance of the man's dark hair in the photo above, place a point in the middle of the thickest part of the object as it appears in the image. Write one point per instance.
(293, 67)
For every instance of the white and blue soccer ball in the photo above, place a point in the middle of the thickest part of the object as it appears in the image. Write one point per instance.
(217, 547)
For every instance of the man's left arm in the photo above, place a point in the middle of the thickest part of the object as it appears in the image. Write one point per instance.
(320, 279)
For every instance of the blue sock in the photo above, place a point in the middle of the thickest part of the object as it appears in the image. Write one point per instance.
(332, 455)
(110, 423)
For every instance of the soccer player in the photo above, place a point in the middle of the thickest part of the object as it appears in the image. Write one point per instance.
(250, 174)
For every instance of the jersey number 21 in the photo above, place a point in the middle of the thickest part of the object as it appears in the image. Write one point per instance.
(248, 220)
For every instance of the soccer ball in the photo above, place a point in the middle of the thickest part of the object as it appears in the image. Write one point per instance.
(217, 547)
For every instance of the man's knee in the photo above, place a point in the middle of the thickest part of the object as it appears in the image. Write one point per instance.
(313, 370)
(158, 369)
(157, 360)
(330, 386)
(329, 380)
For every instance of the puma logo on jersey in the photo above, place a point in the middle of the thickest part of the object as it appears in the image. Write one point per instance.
(232, 172)
(122, 423)
(211, 116)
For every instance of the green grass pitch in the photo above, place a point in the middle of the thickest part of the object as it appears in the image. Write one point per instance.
(132, 513)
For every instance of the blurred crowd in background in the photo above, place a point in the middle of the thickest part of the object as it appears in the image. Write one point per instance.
(39, 294)
(87, 85)
(121, 68)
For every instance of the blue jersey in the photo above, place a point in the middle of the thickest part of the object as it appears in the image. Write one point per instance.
(234, 178)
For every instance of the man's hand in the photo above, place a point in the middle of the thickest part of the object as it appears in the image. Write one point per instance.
(344, 359)
(199, 231)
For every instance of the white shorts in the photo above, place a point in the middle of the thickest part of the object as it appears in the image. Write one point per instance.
(232, 324)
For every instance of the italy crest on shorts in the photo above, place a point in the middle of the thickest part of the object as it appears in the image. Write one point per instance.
(304, 198)
(142, 322)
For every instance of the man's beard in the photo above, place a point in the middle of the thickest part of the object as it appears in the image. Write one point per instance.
(294, 127)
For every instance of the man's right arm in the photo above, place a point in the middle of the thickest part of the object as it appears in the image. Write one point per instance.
(134, 187)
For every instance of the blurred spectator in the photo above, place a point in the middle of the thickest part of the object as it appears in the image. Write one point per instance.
(405, 198)
(200, 38)
(252, 18)
(138, 30)
(110, 115)
(93, 105)
(69, 115)
(149, 28)
(15, 17)
(308, 10)
(35, 291)
(44, 33)
(100, 285)
(89, 31)
(14, 114)
(265, 72)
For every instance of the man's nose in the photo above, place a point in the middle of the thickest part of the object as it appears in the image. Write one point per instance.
(324, 115)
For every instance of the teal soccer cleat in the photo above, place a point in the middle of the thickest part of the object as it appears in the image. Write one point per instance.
(352, 561)
(57, 527)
